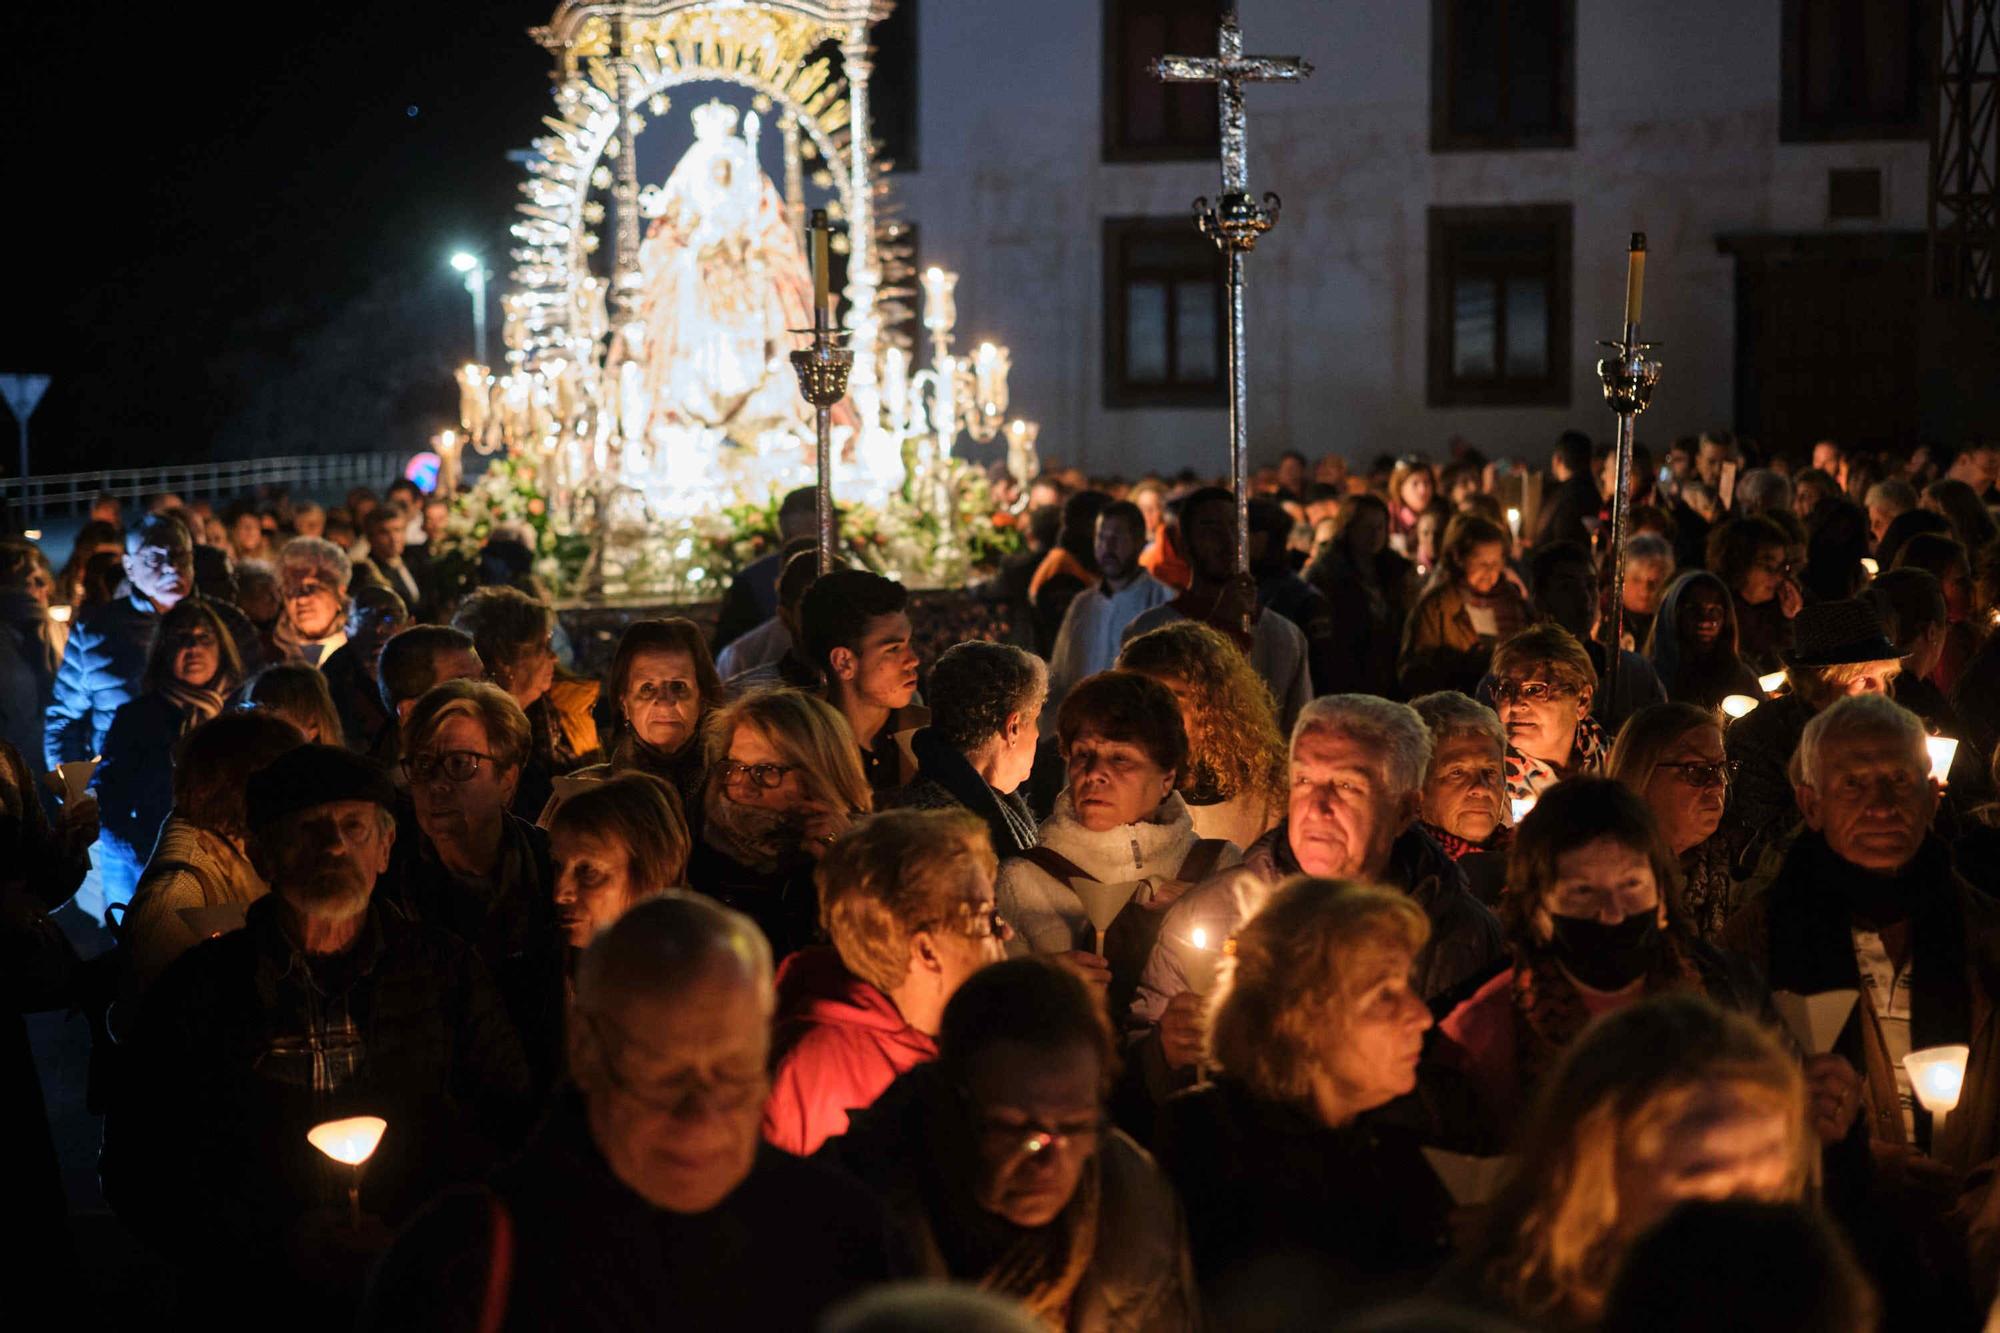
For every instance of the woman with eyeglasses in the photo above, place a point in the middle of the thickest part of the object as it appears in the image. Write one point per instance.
(1693, 643)
(1286, 1161)
(190, 671)
(784, 780)
(667, 690)
(472, 867)
(1751, 557)
(1671, 756)
(1593, 926)
(1000, 1169)
(1469, 606)
(1543, 682)
(907, 897)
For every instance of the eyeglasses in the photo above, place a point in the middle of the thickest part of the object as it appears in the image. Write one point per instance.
(674, 692)
(308, 588)
(767, 776)
(1716, 774)
(1529, 691)
(1775, 566)
(981, 923)
(457, 765)
(192, 638)
(683, 1092)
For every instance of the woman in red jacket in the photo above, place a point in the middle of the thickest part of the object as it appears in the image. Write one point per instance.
(907, 898)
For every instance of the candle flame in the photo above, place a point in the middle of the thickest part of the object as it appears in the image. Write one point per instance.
(351, 1141)
(1739, 705)
(1937, 1076)
(1198, 937)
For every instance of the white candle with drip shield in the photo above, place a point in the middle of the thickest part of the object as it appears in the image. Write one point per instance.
(1739, 705)
(1943, 749)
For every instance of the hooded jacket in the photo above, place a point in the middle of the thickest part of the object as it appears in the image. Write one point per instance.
(837, 1042)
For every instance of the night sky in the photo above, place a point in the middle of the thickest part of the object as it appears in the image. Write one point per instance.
(228, 225)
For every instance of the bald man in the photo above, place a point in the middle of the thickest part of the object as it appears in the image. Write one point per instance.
(652, 1155)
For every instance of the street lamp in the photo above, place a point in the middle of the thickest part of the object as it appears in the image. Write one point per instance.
(476, 274)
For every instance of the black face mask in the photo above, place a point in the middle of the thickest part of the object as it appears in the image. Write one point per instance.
(1607, 958)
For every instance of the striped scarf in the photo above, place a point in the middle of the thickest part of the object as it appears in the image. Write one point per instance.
(198, 703)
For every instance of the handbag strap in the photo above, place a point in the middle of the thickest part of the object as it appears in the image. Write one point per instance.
(1056, 865)
(1200, 861)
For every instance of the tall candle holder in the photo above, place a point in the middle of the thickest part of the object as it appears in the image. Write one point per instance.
(1629, 375)
(823, 369)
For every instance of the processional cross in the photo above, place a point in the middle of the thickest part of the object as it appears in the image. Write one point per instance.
(1236, 220)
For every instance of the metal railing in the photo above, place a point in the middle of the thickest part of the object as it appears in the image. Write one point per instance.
(311, 475)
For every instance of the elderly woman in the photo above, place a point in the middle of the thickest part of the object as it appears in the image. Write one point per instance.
(667, 690)
(1840, 650)
(201, 863)
(907, 897)
(1671, 757)
(1120, 821)
(1751, 557)
(1000, 1169)
(1284, 1159)
(1234, 782)
(1670, 1100)
(313, 575)
(1368, 586)
(980, 745)
(1469, 606)
(512, 633)
(298, 694)
(784, 781)
(472, 867)
(616, 843)
(1649, 567)
(1543, 682)
(1465, 789)
(189, 673)
(1592, 928)
(1692, 644)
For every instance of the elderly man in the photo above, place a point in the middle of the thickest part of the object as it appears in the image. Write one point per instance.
(1357, 771)
(313, 578)
(323, 1006)
(1465, 790)
(1868, 900)
(1087, 642)
(648, 1195)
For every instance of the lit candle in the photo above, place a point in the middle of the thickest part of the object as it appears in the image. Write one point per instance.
(1870, 566)
(1739, 705)
(1943, 750)
(1520, 806)
(940, 310)
(820, 247)
(351, 1142)
(896, 386)
(1772, 683)
(1635, 278)
(59, 613)
(1514, 522)
(1937, 1076)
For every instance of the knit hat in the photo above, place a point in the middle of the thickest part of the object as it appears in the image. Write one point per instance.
(314, 775)
(1837, 633)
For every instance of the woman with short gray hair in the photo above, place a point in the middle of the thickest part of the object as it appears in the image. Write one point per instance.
(313, 575)
(980, 744)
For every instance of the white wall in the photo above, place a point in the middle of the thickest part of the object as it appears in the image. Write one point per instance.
(1677, 135)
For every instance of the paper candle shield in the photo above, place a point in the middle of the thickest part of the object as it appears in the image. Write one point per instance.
(1815, 1020)
(1199, 964)
(72, 780)
(1473, 1181)
(1943, 749)
(1739, 705)
(351, 1141)
(1937, 1076)
(1103, 902)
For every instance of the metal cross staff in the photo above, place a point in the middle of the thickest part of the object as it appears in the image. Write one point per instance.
(1236, 221)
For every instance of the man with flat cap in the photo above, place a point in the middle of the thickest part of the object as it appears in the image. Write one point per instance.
(323, 1006)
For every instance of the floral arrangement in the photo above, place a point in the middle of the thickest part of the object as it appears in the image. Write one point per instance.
(610, 546)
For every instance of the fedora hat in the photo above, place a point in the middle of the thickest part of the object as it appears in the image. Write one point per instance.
(1836, 633)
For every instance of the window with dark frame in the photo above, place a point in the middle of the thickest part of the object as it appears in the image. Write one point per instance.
(1503, 74)
(1146, 120)
(1163, 322)
(1856, 70)
(1499, 306)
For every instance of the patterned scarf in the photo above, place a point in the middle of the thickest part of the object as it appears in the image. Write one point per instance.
(1457, 848)
(198, 703)
(1528, 777)
(1549, 1011)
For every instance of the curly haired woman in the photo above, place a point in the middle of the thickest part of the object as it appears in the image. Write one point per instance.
(1234, 784)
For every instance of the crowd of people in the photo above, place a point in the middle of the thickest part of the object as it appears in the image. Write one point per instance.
(1413, 931)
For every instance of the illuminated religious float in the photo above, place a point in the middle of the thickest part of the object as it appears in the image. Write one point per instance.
(647, 418)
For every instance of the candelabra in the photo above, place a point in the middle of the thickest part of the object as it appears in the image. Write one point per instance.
(823, 369)
(1629, 376)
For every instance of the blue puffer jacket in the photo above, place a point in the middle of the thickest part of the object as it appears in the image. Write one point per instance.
(100, 670)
